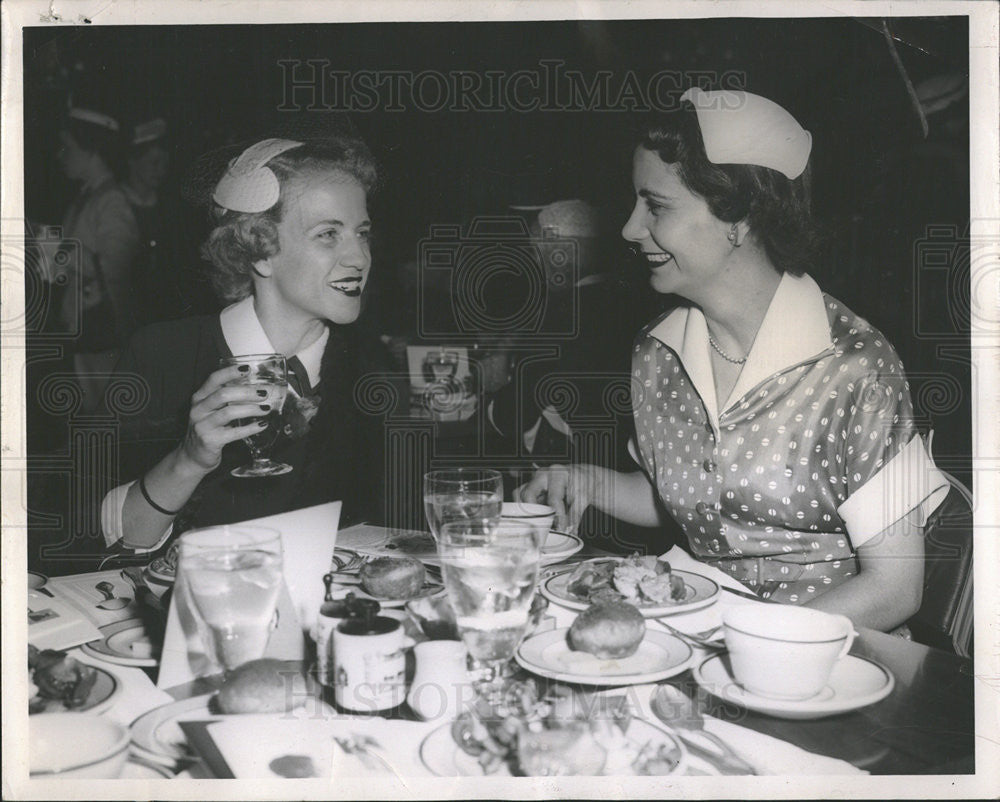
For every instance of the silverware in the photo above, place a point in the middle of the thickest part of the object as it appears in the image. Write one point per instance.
(747, 595)
(111, 602)
(701, 640)
(676, 709)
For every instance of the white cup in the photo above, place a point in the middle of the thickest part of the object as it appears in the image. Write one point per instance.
(441, 685)
(784, 652)
(370, 666)
(537, 516)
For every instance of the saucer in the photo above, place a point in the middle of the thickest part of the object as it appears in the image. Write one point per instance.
(855, 682)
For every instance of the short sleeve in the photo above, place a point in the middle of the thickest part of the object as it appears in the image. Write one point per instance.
(888, 473)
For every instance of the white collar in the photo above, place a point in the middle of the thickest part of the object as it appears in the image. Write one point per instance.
(795, 328)
(244, 335)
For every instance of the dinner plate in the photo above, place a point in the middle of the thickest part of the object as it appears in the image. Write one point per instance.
(855, 682)
(103, 695)
(659, 656)
(158, 737)
(443, 757)
(560, 545)
(118, 642)
(700, 591)
(37, 581)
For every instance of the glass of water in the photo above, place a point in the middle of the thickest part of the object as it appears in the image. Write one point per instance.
(462, 494)
(233, 576)
(490, 569)
(270, 371)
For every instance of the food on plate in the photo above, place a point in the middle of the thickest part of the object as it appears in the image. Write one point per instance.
(608, 630)
(261, 686)
(392, 577)
(57, 682)
(635, 579)
(559, 732)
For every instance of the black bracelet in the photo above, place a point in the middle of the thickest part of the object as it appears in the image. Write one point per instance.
(150, 502)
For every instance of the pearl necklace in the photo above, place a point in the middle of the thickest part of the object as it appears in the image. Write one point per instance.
(723, 354)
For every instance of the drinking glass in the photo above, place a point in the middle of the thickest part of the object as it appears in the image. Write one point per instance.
(462, 494)
(265, 370)
(490, 569)
(233, 576)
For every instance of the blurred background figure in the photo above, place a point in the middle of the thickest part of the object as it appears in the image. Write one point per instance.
(99, 230)
(168, 283)
(592, 303)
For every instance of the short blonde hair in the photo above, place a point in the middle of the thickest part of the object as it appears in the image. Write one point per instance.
(241, 239)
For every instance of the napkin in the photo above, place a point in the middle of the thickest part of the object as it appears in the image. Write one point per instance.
(268, 747)
(308, 537)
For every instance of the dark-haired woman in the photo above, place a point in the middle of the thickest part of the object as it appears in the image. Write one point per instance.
(290, 250)
(772, 423)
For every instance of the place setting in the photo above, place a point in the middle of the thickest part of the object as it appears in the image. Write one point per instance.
(484, 660)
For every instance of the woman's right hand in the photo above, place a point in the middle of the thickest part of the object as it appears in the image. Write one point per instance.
(215, 405)
(568, 489)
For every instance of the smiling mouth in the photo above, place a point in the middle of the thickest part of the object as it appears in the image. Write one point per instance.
(348, 287)
(657, 259)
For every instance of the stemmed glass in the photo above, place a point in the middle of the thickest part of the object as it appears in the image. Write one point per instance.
(233, 576)
(265, 370)
(462, 494)
(490, 569)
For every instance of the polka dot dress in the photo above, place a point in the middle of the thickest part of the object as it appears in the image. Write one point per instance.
(757, 495)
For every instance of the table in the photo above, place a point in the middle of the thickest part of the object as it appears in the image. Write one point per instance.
(925, 726)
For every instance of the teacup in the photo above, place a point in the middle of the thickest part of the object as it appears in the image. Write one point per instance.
(538, 516)
(784, 652)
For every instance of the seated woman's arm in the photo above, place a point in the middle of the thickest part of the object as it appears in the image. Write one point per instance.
(889, 587)
(569, 490)
(171, 482)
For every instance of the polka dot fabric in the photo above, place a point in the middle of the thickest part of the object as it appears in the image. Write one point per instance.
(757, 494)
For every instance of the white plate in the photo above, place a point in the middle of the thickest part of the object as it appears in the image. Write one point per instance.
(700, 591)
(157, 736)
(102, 696)
(443, 757)
(560, 545)
(855, 682)
(117, 644)
(660, 655)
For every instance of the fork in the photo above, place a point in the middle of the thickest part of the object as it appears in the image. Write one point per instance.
(700, 639)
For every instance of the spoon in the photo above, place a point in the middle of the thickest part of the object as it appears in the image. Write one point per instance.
(111, 602)
(676, 709)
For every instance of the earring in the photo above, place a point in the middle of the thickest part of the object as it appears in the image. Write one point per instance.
(732, 236)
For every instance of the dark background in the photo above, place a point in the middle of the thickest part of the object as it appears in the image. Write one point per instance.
(878, 182)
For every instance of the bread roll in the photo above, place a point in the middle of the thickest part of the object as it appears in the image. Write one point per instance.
(261, 686)
(392, 577)
(609, 630)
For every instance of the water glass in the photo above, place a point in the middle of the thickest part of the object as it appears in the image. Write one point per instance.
(268, 370)
(233, 575)
(490, 569)
(462, 494)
